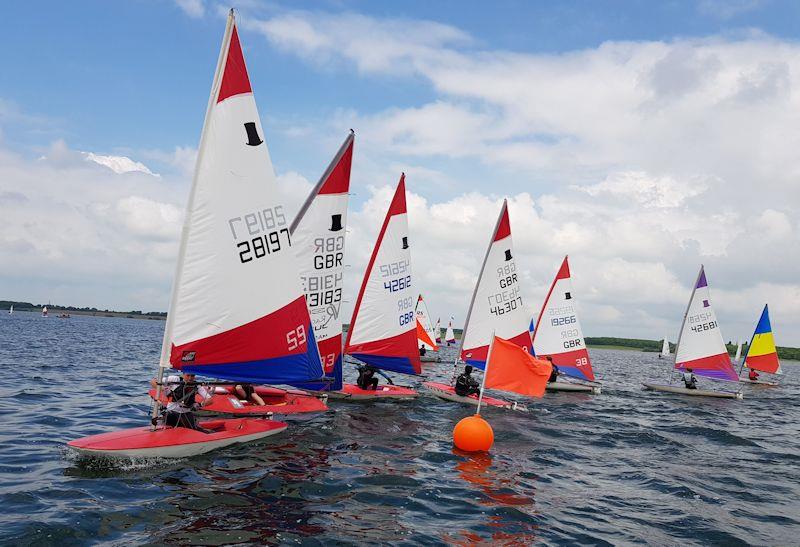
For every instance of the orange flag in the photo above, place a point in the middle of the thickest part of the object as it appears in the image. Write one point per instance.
(511, 368)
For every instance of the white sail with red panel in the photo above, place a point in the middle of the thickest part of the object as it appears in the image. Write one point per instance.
(450, 336)
(318, 236)
(428, 340)
(383, 328)
(701, 347)
(237, 310)
(496, 305)
(558, 331)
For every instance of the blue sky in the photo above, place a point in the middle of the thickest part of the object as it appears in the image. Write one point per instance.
(630, 135)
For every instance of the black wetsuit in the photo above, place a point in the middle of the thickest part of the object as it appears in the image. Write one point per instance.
(366, 378)
(466, 385)
(553, 374)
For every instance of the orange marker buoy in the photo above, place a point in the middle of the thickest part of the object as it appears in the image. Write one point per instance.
(473, 434)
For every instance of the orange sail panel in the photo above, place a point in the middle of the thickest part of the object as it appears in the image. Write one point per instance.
(512, 368)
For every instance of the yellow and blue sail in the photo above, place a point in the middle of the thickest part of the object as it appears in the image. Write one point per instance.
(761, 353)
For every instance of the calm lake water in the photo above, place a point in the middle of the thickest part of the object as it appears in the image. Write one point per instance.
(622, 467)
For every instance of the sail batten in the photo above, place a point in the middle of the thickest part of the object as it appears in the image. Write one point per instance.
(237, 310)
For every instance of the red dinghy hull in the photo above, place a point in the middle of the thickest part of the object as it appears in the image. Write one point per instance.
(354, 393)
(448, 393)
(279, 401)
(175, 442)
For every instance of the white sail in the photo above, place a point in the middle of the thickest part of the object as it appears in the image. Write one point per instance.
(700, 343)
(558, 332)
(738, 352)
(665, 348)
(11, 310)
(496, 305)
(450, 336)
(424, 318)
(237, 309)
(319, 232)
(383, 328)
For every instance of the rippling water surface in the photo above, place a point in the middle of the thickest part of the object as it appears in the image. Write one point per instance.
(625, 466)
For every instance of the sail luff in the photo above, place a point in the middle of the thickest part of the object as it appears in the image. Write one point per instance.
(166, 341)
(480, 276)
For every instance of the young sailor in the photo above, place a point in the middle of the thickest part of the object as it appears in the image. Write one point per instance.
(753, 375)
(422, 350)
(366, 377)
(246, 392)
(554, 372)
(182, 394)
(465, 384)
(689, 379)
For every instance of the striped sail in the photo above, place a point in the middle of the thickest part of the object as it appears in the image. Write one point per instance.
(428, 337)
(383, 328)
(318, 236)
(761, 353)
(700, 343)
(237, 310)
(558, 333)
(496, 303)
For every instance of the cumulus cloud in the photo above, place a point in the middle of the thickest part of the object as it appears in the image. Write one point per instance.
(119, 164)
(192, 8)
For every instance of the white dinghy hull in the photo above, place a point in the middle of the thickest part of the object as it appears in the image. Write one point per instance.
(694, 392)
(575, 387)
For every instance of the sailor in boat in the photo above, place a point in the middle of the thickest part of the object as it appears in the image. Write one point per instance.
(554, 372)
(466, 385)
(366, 377)
(752, 375)
(422, 350)
(182, 394)
(689, 379)
(246, 392)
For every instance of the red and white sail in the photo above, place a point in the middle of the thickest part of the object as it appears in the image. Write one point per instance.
(318, 233)
(237, 310)
(449, 335)
(428, 339)
(700, 343)
(497, 302)
(438, 331)
(383, 328)
(558, 331)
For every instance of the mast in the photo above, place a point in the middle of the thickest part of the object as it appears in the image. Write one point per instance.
(322, 180)
(477, 284)
(163, 362)
(683, 323)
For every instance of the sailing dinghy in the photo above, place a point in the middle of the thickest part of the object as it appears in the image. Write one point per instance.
(738, 357)
(558, 335)
(762, 355)
(383, 330)
(426, 333)
(44, 311)
(11, 309)
(701, 347)
(438, 331)
(496, 308)
(665, 353)
(237, 310)
(450, 336)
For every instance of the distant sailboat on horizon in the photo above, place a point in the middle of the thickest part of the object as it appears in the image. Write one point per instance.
(664, 349)
(11, 309)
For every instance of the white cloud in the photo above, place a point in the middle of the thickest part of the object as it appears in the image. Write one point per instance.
(192, 8)
(119, 164)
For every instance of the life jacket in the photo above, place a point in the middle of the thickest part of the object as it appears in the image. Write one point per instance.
(365, 374)
(689, 379)
(753, 374)
(183, 394)
(463, 384)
